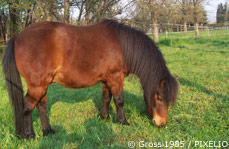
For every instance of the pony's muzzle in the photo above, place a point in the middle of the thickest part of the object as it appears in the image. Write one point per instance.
(159, 121)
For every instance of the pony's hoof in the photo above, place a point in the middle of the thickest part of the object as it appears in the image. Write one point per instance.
(104, 116)
(28, 136)
(124, 122)
(47, 132)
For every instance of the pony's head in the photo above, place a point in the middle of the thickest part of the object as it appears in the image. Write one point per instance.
(159, 103)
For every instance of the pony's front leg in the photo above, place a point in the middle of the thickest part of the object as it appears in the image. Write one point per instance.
(119, 102)
(106, 98)
(116, 85)
(41, 108)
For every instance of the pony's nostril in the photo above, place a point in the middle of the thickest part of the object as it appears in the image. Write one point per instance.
(154, 122)
(162, 124)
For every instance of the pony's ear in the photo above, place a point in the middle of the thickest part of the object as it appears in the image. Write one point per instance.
(176, 77)
(162, 83)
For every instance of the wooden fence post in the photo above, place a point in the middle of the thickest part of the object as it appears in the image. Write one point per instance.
(155, 33)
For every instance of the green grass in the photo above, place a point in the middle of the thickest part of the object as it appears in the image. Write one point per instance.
(201, 113)
(191, 34)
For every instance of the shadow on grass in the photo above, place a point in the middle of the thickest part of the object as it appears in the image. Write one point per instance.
(212, 42)
(222, 52)
(185, 82)
(220, 44)
(95, 133)
(58, 93)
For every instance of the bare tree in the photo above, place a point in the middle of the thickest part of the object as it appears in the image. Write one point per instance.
(96, 10)
(66, 11)
(153, 12)
(49, 10)
(29, 14)
(81, 8)
(13, 17)
(88, 7)
(41, 8)
(3, 22)
(185, 12)
(46, 8)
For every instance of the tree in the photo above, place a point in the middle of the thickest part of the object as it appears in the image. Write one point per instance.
(66, 11)
(96, 10)
(39, 4)
(154, 12)
(226, 18)
(49, 9)
(198, 14)
(81, 8)
(46, 8)
(18, 14)
(185, 12)
(13, 17)
(220, 14)
(3, 21)
(29, 12)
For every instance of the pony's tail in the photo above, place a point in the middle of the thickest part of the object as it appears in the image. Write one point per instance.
(14, 85)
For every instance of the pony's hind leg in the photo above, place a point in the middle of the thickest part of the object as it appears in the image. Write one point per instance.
(29, 103)
(106, 98)
(41, 108)
(32, 97)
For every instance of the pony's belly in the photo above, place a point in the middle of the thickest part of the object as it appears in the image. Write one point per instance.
(78, 81)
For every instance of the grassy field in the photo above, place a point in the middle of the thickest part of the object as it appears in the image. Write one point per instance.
(191, 34)
(201, 113)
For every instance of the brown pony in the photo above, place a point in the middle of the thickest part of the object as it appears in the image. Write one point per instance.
(77, 57)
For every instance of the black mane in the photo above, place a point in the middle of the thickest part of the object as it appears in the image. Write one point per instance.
(143, 58)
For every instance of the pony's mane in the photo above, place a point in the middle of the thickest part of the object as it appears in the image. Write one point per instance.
(143, 58)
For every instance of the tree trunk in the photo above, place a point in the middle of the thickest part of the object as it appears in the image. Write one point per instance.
(13, 21)
(81, 10)
(66, 11)
(100, 11)
(155, 33)
(196, 28)
(185, 26)
(28, 19)
(41, 8)
(1, 33)
(32, 16)
(49, 11)
(3, 26)
(88, 11)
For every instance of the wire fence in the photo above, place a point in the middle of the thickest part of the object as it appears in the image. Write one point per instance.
(191, 34)
(167, 31)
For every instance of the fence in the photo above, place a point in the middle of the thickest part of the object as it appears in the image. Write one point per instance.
(172, 30)
(204, 31)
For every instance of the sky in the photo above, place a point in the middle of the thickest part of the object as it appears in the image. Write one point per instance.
(211, 8)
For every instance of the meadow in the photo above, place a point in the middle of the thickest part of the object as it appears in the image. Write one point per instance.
(201, 112)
